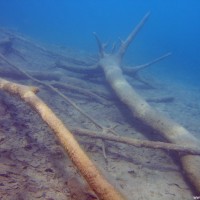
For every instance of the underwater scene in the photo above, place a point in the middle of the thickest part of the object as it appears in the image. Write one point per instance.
(99, 100)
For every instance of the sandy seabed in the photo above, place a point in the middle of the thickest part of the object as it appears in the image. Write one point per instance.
(34, 166)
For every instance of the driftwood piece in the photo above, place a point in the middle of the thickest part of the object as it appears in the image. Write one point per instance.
(81, 91)
(138, 143)
(10, 73)
(143, 112)
(102, 188)
(161, 100)
(132, 71)
(95, 71)
(51, 53)
(49, 76)
(55, 90)
(99, 95)
(78, 69)
(68, 100)
(172, 131)
(104, 129)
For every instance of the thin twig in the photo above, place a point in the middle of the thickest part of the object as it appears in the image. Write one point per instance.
(131, 71)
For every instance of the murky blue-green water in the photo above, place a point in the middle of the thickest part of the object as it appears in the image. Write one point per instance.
(173, 26)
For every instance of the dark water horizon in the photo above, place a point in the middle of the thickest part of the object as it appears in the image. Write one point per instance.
(173, 27)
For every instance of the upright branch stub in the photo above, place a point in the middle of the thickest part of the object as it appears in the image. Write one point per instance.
(124, 44)
(100, 45)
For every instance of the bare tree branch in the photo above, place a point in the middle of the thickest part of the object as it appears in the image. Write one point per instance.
(100, 45)
(81, 90)
(129, 39)
(131, 71)
(138, 143)
(77, 69)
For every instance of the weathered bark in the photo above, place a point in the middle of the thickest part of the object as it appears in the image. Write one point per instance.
(103, 189)
(143, 112)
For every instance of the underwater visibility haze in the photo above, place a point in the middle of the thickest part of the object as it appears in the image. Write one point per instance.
(88, 98)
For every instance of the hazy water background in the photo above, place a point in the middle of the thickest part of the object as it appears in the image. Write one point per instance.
(174, 26)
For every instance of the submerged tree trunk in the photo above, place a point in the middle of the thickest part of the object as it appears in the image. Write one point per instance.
(143, 112)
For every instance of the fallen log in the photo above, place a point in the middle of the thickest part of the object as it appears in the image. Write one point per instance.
(142, 111)
(102, 188)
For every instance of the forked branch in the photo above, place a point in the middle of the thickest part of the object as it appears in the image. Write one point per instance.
(145, 113)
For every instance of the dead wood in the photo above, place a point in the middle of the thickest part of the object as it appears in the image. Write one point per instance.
(101, 187)
(78, 69)
(142, 111)
(7, 72)
(96, 93)
(10, 73)
(52, 53)
(161, 100)
(94, 71)
(67, 99)
(138, 143)
(132, 71)
(56, 91)
(105, 94)
(81, 91)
